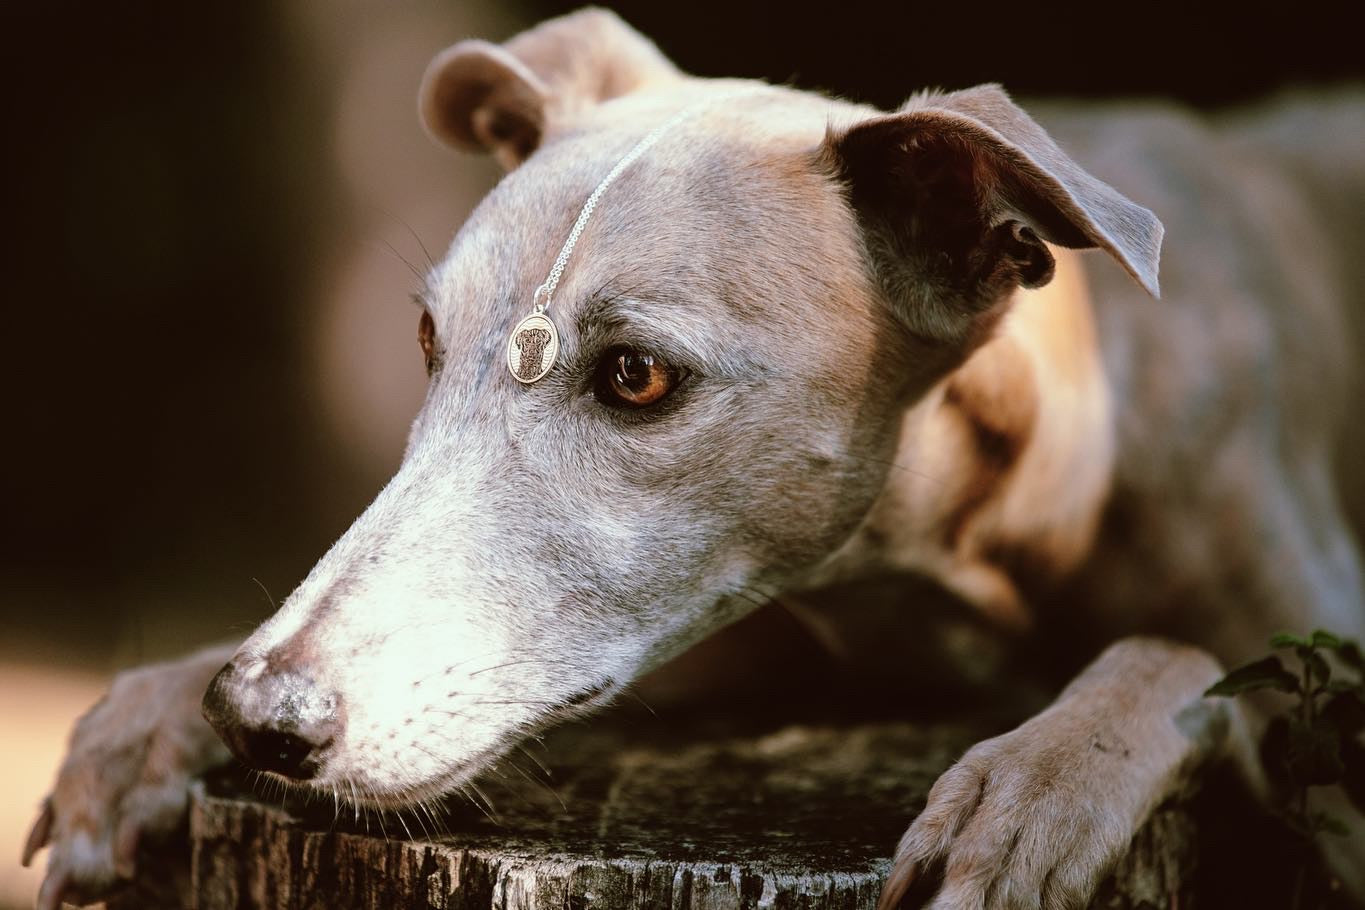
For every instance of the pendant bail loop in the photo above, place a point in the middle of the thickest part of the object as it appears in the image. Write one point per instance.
(540, 300)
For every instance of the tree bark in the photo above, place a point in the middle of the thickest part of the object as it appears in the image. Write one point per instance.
(804, 818)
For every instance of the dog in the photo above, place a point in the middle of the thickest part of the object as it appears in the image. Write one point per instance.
(783, 299)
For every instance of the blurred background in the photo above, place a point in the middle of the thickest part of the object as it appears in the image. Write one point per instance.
(214, 217)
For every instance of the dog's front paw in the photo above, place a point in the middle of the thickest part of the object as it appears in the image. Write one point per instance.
(1031, 819)
(1036, 817)
(126, 777)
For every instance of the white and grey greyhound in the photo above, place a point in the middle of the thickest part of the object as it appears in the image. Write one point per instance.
(767, 299)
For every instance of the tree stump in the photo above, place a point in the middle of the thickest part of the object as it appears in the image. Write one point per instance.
(617, 818)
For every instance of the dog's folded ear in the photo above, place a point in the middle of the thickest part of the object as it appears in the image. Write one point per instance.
(956, 193)
(505, 98)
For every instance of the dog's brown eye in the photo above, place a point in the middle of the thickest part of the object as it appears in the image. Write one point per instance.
(426, 337)
(628, 378)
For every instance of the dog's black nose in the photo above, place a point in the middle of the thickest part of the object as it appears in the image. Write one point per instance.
(273, 721)
(283, 753)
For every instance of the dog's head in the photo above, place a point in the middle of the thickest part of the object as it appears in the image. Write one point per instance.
(743, 323)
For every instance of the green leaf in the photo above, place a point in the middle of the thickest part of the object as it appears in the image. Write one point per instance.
(1266, 673)
(1349, 651)
(1285, 640)
(1319, 672)
(1314, 754)
(1324, 639)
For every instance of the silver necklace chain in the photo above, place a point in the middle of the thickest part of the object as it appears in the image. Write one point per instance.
(540, 300)
(533, 345)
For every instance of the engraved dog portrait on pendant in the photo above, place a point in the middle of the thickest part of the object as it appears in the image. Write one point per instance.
(533, 347)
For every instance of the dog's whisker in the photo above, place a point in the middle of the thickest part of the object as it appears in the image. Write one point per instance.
(515, 663)
(744, 596)
(755, 595)
(540, 783)
(403, 223)
(420, 275)
(517, 792)
(630, 690)
(421, 245)
(379, 813)
(355, 801)
(896, 465)
(750, 599)
(270, 600)
(451, 668)
(464, 791)
(430, 809)
(490, 810)
(538, 763)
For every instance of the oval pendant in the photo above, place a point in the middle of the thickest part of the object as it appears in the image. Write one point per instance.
(532, 349)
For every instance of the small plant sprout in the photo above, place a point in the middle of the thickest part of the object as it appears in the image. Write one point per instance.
(1316, 741)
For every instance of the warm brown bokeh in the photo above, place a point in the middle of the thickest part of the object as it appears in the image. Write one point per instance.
(134, 555)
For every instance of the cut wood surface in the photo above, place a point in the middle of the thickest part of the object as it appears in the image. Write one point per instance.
(603, 818)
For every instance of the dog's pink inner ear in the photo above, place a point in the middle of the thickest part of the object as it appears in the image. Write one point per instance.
(476, 96)
(505, 99)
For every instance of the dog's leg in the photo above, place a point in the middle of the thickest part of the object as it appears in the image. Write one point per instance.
(1035, 817)
(126, 776)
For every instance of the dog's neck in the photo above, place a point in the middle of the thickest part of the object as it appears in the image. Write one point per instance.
(1003, 468)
